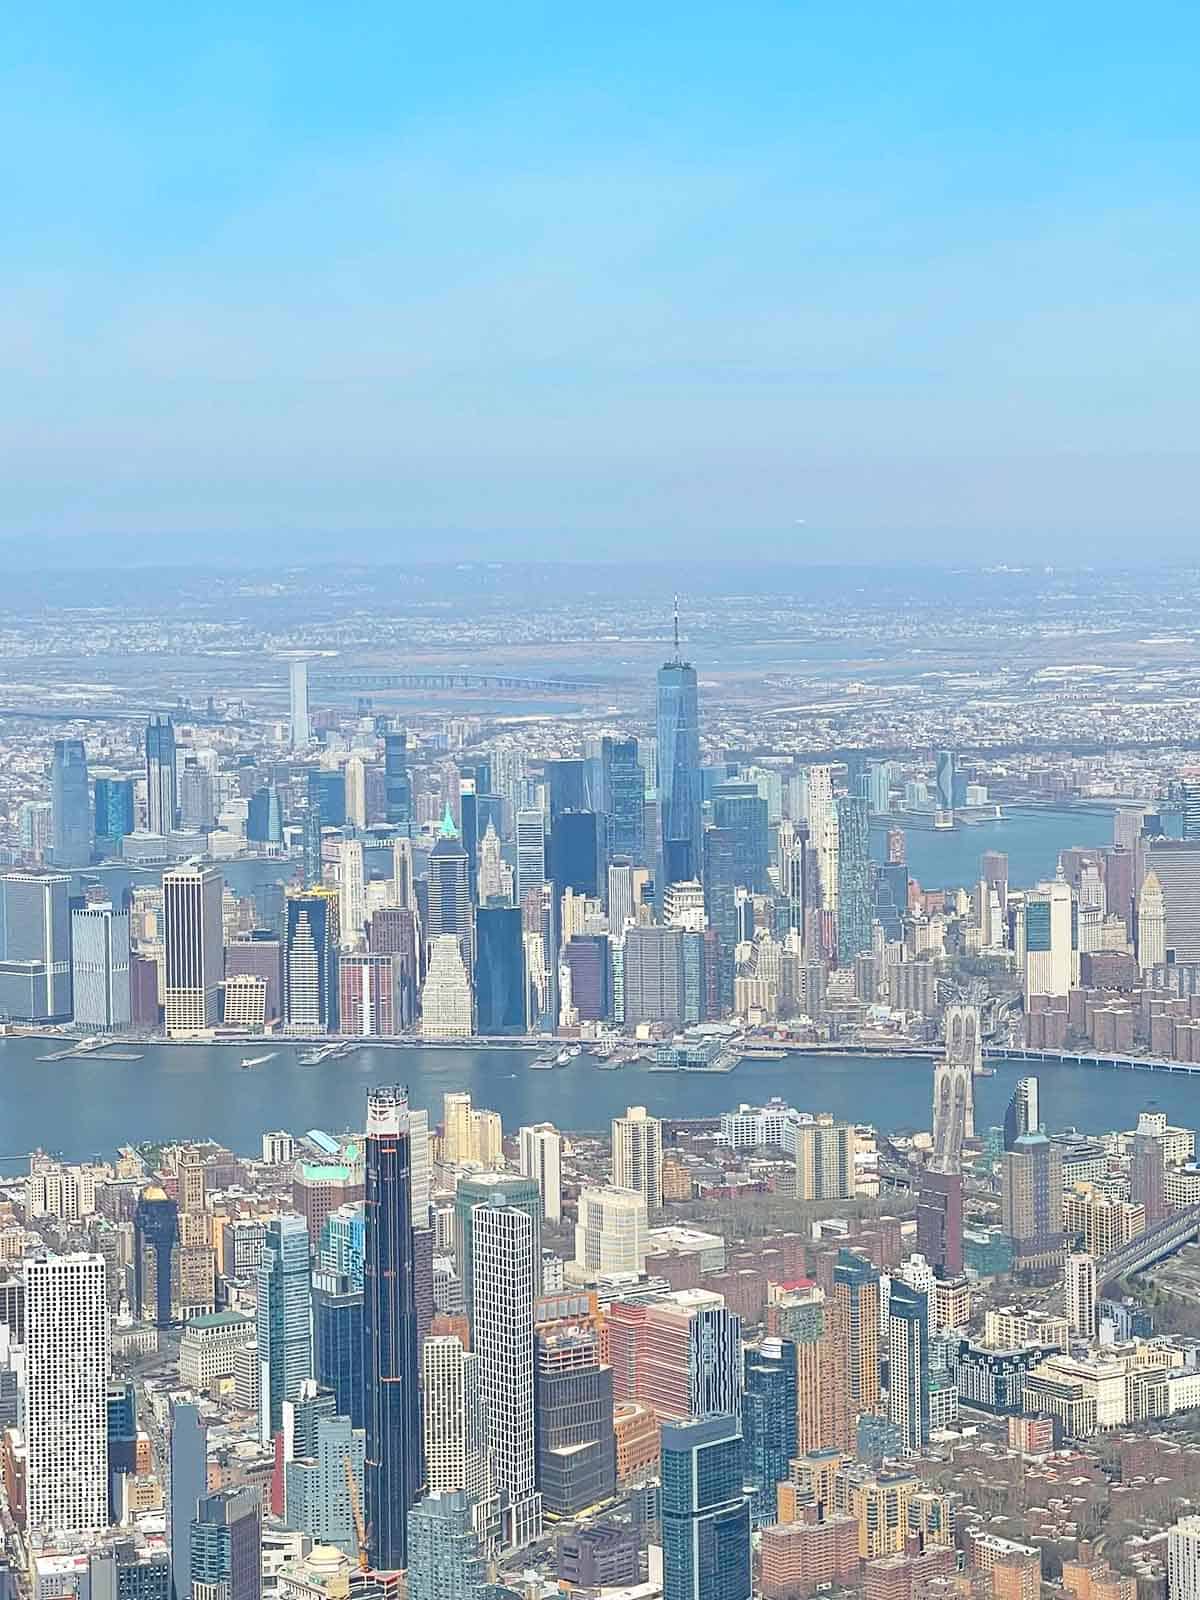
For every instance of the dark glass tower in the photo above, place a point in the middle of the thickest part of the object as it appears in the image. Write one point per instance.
(161, 804)
(768, 1423)
(338, 1342)
(264, 819)
(114, 813)
(576, 853)
(155, 1231)
(70, 806)
(226, 1545)
(390, 1349)
(327, 792)
(449, 886)
(624, 798)
(740, 809)
(189, 1484)
(397, 785)
(678, 769)
(500, 988)
(705, 1514)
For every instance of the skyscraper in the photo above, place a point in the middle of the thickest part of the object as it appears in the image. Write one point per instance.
(1031, 1203)
(1022, 1114)
(100, 967)
(310, 962)
(541, 1159)
(856, 1293)
(1151, 922)
(35, 946)
(226, 1546)
(654, 976)
(576, 1447)
(338, 1340)
(114, 813)
(577, 854)
(1081, 1293)
(390, 1344)
(692, 1357)
(447, 1009)
(66, 1393)
(1147, 1178)
(531, 851)
(908, 1365)
(741, 811)
(449, 888)
(637, 1155)
(284, 1316)
(397, 785)
(70, 804)
(298, 686)
(188, 1486)
(447, 1562)
(454, 1431)
(945, 780)
(352, 896)
(155, 1235)
(505, 1277)
(161, 803)
(678, 769)
(193, 948)
(500, 986)
(264, 816)
(479, 1190)
(624, 798)
(705, 1514)
(854, 879)
(768, 1423)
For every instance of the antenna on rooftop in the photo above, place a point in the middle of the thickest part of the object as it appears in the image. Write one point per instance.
(677, 627)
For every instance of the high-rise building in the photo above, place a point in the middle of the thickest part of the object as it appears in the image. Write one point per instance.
(226, 1546)
(856, 1293)
(161, 802)
(397, 785)
(654, 977)
(1183, 1559)
(704, 1512)
(193, 948)
(477, 1191)
(1147, 1177)
(768, 1423)
(71, 810)
(66, 1393)
(944, 776)
(100, 967)
(610, 1233)
(573, 1406)
(352, 893)
(691, 1360)
(454, 1431)
(505, 1277)
(1151, 922)
(1082, 1295)
(188, 1483)
(501, 991)
(447, 1008)
(541, 1159)
(1031, 1202)
(337, 1301)
(678, 746)
(450, 888)
(264, 816)
(284, 1318)
(820, 812)
(155, 1235)
(310, 957)
(624, 798)
(1022, 1114)
(577, 854)
(319, 1446)
(390, 1342)
(908, 1365)
(741, 811)
(1045, 936)
(531, 851)
(446, 1560)
(35, 947)
(854, 879)
(298, 698)
(940, 1220)
(366, 994)
(637, 1155)
(115, 814)
(824, 1154)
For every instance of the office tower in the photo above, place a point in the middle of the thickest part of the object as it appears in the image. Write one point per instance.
(637, 1155)
(531, 852)
(356, 792)
(100, 967)
(575, 1448)
(1022, 1114)
(264, 816)
(1031, 1202)
(258, 954)
(1183, 1559)
(1151, 922)
(1147, 1178)
(792, 840)
(740, 811)
(337, 1302)
(541, 1159)
(481, 1189)
(35, 947)
(194, 794)
(585, 977)
(678, 746)
(691, 1359)
(908, 1365)
(567, 785)
(66, 1393)
(654, 976)
(161, 805)
(824, 1155)
(226, 1546)
(945, 780)
(366, 995)
(854, 879)
(284, 1320)
(940, 1220)
(820, 813)
(397, 785)
(70, 804)
(447, 1010)
(155, 1235)
(452, 1416)
(500, 986)
(577, 854)
(446, 1560)
(879, 787)
(193, 948)
(1082, 1295)
(188, 1484)
(768, 1423)
(449, 886)
(352, 893)
(327, 796)
(390, 1347)
(705, 1514)
(494, 881)
(610, 1234)
(114, 814)
(310, 962)
(1046, 925)
(856, 1294)
(623, 798)
(298, 697)
(505, 1278)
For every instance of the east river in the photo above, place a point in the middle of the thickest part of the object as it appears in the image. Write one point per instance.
(86, 1108)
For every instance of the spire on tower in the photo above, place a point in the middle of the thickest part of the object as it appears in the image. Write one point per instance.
(677, 657)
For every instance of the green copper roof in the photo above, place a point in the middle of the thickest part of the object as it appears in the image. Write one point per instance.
(447, 829)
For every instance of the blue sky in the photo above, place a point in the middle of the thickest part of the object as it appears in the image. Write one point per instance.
(820, 282)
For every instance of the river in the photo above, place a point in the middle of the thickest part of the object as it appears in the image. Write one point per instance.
(86, 1108)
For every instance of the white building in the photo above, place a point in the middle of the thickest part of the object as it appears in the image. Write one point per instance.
(1082, 1295)
(66, 1396)
(773, 1124)
(637, 1155)
(194, 948)
(1183, 1559)
(610, 1235)
(209, 1346)
(447, 1011)
(352, 894)
(453, 1427)
(506, 1269)
(541, 1158)
(100, 967)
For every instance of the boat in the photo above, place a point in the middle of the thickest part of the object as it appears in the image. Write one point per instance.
(563, 1057)
(575, 1050)
(762, 1052)
(257, 1061)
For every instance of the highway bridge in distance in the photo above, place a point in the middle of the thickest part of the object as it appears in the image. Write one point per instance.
(1155, 1245)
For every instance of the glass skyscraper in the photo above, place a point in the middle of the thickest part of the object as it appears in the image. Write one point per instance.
(189, 1484)
(161, 805)
(705, 1514)
(624, 798)
(390, 1343)
(741, 810)
(853, 879)
(678, 770)
(397, 785)
(70, 804)
(226, 1545)
(338, 1342)
(768, 1423)
(114, 813)
(285, 1352)
(500, 988)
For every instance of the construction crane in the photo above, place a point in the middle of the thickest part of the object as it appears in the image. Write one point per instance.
(360, 1532)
